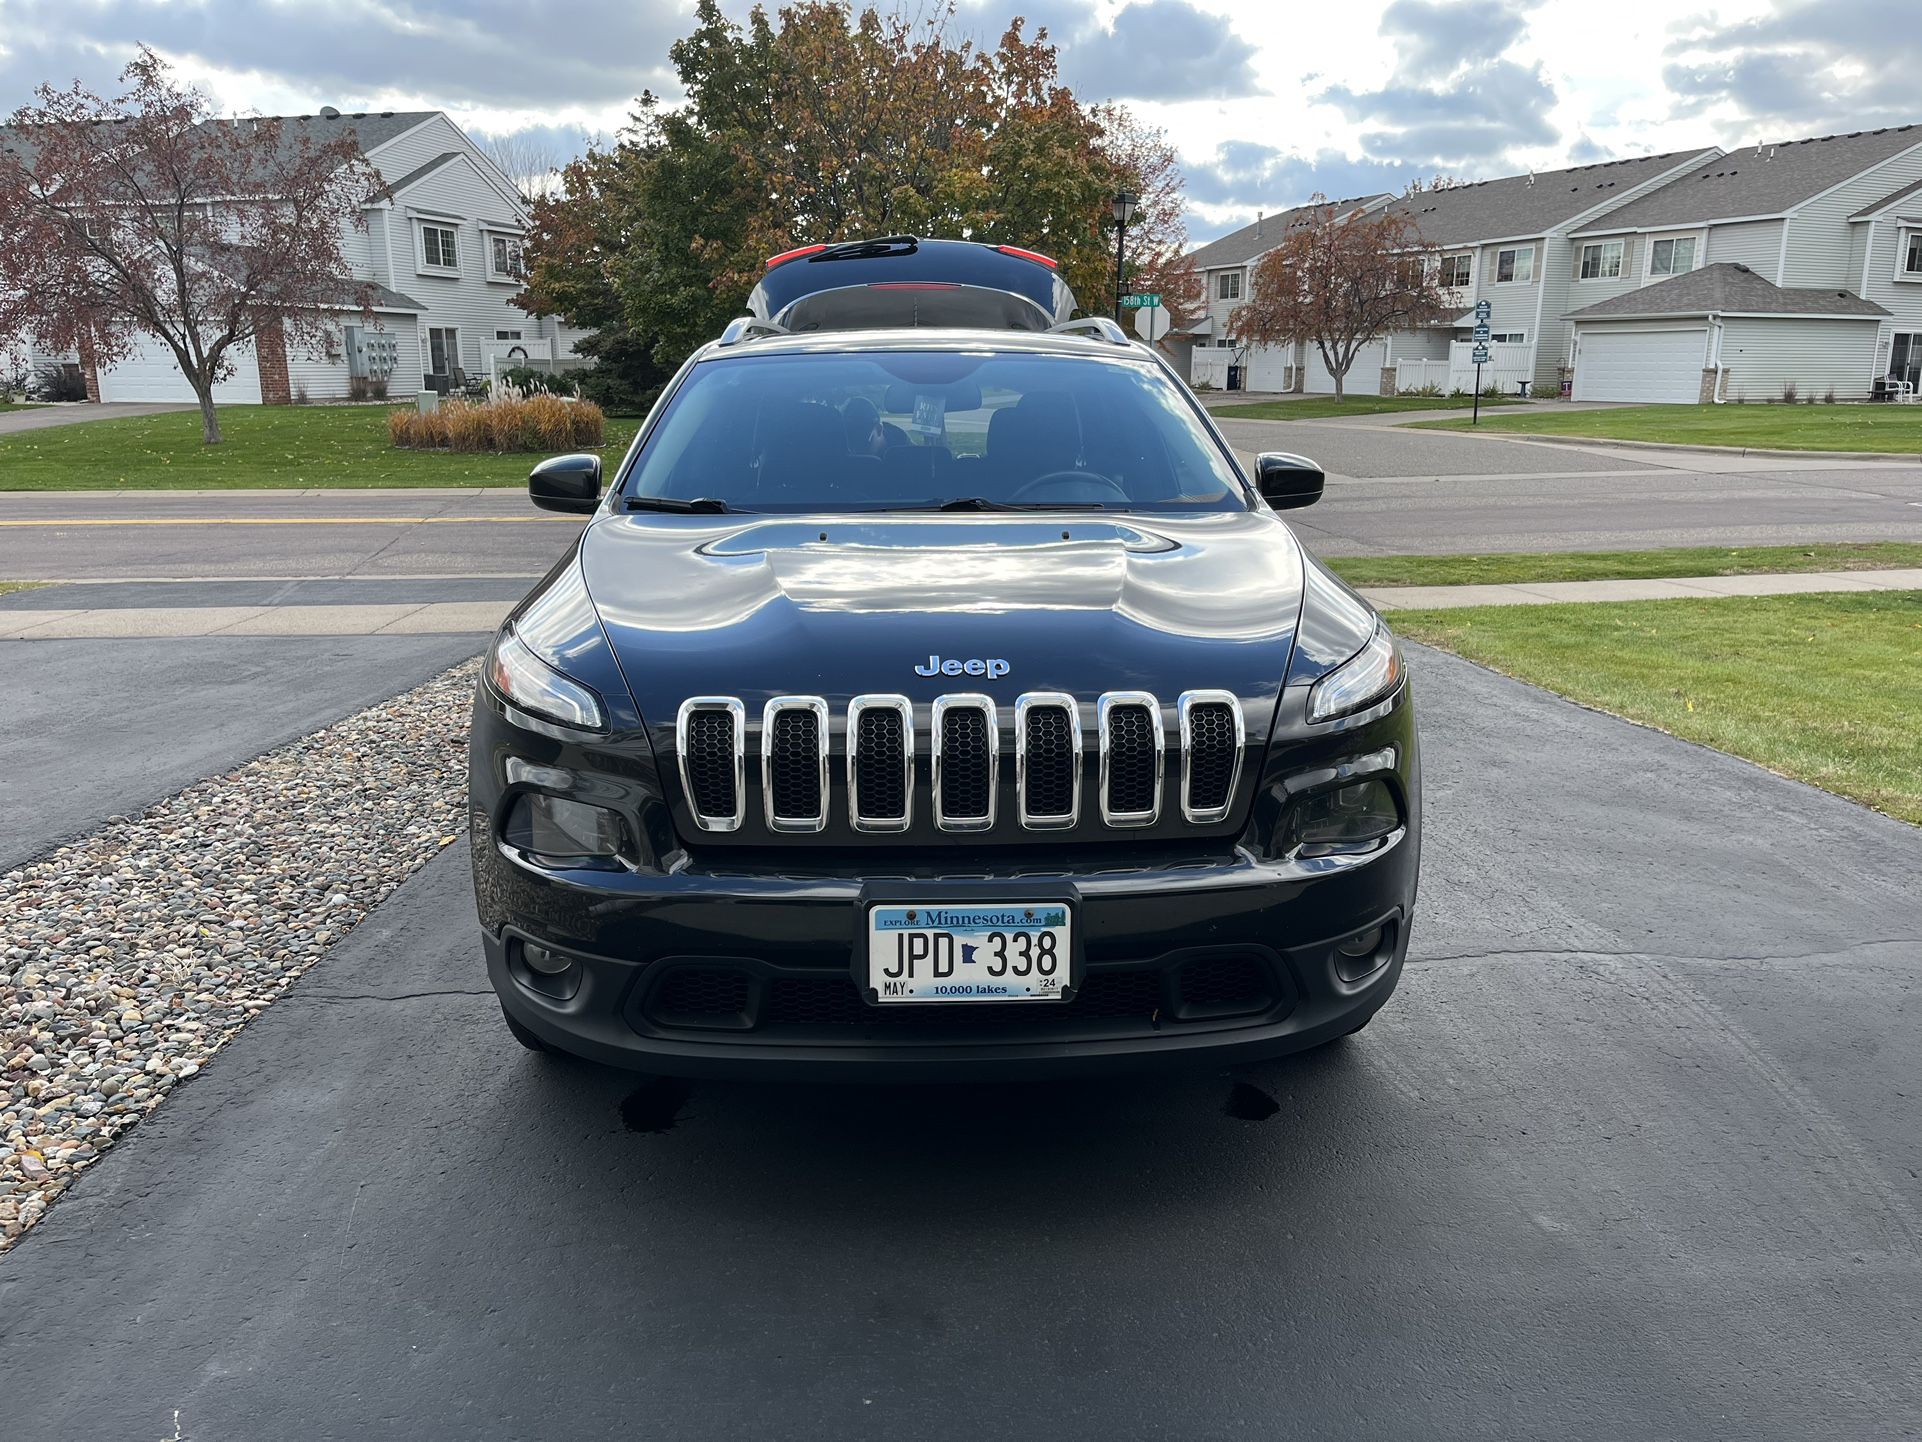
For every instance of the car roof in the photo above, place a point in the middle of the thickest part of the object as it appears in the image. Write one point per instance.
(905, 259)
(843, 342)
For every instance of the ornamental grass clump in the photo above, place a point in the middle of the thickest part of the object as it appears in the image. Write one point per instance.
(509, 420)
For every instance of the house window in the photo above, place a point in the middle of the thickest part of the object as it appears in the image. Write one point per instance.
(504, 257)
(507, 335)
(1515, 266)
(1601, 260)
(1457, 270)
(1229, 286)
(1672, 257)
(1912, 254)
(437, 247)
(1509, 337)
(443, 350)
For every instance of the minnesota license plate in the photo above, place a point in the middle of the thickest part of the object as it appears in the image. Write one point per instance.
(1014, 952)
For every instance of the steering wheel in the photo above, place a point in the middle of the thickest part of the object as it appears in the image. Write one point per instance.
(1070, 477)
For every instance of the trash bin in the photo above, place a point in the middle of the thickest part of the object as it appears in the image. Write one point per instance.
(1234, 378)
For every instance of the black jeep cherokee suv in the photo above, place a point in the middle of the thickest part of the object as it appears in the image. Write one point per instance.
(927, 703)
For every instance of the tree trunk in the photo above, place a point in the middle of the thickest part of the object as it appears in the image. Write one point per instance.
(1340, 377)
(209, 422)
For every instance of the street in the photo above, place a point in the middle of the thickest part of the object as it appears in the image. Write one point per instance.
(1631, 1152)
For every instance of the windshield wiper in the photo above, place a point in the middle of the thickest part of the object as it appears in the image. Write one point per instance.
(703, 505)
(982, 503)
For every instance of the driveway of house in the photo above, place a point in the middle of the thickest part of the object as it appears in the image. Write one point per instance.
(74, 413)
(1631, 1154)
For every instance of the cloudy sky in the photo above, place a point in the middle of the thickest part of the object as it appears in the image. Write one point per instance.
(1267, 100)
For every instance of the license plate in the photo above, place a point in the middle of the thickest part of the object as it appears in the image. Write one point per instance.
(1014, 952)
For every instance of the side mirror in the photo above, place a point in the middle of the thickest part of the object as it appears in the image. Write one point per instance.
(1288, 481)
(566, 483)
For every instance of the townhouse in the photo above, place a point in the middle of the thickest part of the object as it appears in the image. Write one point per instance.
(1693, 275)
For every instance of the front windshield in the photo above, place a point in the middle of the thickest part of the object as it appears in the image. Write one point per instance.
(922, 430)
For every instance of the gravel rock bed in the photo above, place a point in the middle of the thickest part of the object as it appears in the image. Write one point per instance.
(127, 959)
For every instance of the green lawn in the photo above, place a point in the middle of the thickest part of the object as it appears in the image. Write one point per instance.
(18, 406)
(1818, 427)
(1510, 568)
(1314, 408)
(6, 587)
(1824, 688)
(270, 446)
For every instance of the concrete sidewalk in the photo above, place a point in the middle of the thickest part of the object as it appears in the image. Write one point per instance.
(437, 618)
(1542, 593)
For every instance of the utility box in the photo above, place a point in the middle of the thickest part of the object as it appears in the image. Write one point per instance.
(371, 354)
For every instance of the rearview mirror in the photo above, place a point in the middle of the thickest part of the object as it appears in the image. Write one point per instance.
(566, 483)
(1288, 481)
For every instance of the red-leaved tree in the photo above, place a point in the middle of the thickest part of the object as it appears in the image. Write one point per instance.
(1340, 280)
(141, 215)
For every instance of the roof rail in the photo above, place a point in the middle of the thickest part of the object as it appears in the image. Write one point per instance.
(1097, 327)
(746, 327)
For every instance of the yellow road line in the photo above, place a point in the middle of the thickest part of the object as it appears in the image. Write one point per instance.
(294, 521)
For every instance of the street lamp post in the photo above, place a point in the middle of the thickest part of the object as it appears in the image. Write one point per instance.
(1124, 206)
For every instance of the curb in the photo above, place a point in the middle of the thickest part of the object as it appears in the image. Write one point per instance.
(1901, 458)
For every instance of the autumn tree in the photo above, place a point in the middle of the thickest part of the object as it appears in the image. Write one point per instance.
(141, 215)
(824, 124)
(1340, 280)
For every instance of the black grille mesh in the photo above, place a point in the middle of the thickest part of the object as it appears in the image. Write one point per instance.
(964, 763)
(710, 762)
(794, 764)
(1131, 759)
(1211, 758)
(878, 765)
(693, 994)
(1051, 761)
(1235, 982)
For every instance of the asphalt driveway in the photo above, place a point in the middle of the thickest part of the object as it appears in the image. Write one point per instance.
(40, 418)
(1632, 1154)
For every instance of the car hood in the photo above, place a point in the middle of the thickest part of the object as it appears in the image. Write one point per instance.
(838, 606)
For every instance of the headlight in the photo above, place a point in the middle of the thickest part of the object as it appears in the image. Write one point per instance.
(538, 689)
(1360, 681)
(1341, 819)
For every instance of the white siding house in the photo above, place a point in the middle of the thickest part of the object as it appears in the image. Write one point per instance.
(440, 256)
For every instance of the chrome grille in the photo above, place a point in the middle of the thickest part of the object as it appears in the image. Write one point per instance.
(1131, 753)
(794, 763)
(880, 763)
(1212, 738)
(964, 747)
(710, 736)
(967, 736)
(1047, 760)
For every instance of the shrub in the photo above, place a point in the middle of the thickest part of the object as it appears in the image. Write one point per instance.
(1430, 389)
(367, 388)
(1788, 393)
(56, 381)
(529, 381)
(507, 422)
(1828, 396)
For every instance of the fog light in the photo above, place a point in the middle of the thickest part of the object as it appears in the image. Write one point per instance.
(1342, 819)
(540, 959)
(1365, 953)
(1363, 945)
(554, 826)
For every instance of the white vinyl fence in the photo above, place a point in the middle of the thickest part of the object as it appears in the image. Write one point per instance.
(1510, 363)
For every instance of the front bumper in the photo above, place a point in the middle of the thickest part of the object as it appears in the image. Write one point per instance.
(709, 974)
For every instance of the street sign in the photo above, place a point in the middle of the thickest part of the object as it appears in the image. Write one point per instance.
(1484, 309)
(1152, 323)
(1481, 333)
(1145, 300)
(1480, 357)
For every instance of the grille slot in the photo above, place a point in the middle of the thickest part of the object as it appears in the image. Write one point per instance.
(1047, 731)
(826, 1002)
(967, 737)
(880, 762)
(1212, 738)
(710, 996)
(794, 763)
(1229, 984)
(1131, 758)
(708, 735)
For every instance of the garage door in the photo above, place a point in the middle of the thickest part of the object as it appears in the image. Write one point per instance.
(1656, 367)
(150, 373)
(1364, 376)
(1267, 368)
